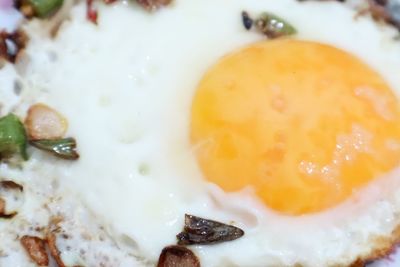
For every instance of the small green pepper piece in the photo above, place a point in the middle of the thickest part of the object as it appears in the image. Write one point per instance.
(62, 148)
(45, 8)
(13, 138)
(274, 26)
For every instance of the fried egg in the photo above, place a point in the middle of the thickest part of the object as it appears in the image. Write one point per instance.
(295, 140)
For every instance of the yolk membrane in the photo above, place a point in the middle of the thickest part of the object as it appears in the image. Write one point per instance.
(304, 124)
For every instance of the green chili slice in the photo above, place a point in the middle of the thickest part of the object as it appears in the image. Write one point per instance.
(45, 8)
(13, 138)
(62, 148)
(274, 26)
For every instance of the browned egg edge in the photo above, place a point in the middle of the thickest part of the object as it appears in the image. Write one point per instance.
(383, 246)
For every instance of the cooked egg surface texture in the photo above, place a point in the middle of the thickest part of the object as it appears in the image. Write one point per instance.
(294, 118)
(296, 141)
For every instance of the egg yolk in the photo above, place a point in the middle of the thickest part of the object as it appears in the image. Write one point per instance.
(304, 124)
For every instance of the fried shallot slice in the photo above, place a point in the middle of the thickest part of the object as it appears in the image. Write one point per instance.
(44, 122)
(177, 256)
(55, 253)
(153, 4)
(36, 249)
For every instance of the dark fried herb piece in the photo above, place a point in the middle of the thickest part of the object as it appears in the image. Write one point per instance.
(10, 185)
(202, 231)
(247, 21)
(11, 44)
(13, 138)
(35, 247)
(55, 253)
(153, 4)
(62, 148)
(177, 256)
(273, 26)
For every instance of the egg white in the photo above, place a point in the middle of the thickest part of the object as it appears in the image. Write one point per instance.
(126, 87)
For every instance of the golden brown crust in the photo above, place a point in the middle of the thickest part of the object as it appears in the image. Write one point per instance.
(35, 247)
(2, 206)
(18, 38)
(55, 253)
(384, 246)
(3, 213)
(10, 185)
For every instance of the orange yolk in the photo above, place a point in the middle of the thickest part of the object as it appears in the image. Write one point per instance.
(302, 123)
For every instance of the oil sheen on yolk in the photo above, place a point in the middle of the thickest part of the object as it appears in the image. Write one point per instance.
(302, 123)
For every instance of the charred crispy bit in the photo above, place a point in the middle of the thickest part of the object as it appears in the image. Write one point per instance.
(11, 44)
(35, 247)
(177, 256)
(7, 215)
(3, 45)
(3, 214)
(202, 231)
(44, 122)
(55, 253)
(10, 185)
(153, 4)
(2, 205)
(20, 39)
